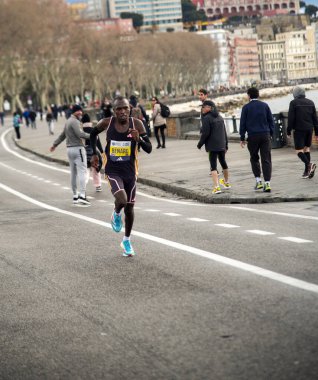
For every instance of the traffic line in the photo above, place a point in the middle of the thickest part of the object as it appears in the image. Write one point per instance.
(171, 214)
(260, 232)
(226, 225)
(198, 220)
(298, 216)
(295, 240)
(255, 270)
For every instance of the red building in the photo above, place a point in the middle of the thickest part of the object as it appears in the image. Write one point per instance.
(226, 8)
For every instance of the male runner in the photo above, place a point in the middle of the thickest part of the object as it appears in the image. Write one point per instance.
(123, 133)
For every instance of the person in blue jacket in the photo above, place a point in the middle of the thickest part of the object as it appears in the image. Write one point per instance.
(258, 123)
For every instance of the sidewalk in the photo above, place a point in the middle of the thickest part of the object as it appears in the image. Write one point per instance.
(182, 169)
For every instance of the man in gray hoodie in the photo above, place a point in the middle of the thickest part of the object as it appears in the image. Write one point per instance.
(73, 133)
(302, 119)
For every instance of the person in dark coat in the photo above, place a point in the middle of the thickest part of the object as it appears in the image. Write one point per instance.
(257, 121)
(302, 119)
(214, 137)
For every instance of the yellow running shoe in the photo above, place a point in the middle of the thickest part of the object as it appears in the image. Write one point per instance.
(224, 184)
(216, 190)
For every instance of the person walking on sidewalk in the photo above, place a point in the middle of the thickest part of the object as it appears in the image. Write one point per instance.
(214, 138)
(97, 178)
(123, 133)
(302, 119)
(16, 124)
(159, 122)
(73, 133)
(49, 120)
(257, 121)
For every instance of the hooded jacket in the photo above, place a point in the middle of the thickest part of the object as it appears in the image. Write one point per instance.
(302, 115)
(213, 134)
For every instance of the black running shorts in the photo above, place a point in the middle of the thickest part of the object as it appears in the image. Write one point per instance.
(302, 139)
(127, 184)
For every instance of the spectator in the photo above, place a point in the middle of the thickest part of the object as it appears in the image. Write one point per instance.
(257, 121)
(32, 117)
(159, 122)
(302, 119)
(76, 153)
(97, 179)
(16, 124)
(214, 138)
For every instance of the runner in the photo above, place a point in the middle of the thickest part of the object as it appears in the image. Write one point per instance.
(123, 133)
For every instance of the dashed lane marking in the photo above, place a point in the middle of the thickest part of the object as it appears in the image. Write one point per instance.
(226, 225)
(171, 214)
(198, 220)
(260, 232)
(255, 270)
(295, 240)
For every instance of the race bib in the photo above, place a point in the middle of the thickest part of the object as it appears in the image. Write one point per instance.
(120, 150)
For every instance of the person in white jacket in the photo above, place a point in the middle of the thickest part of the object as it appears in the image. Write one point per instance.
(159, 122)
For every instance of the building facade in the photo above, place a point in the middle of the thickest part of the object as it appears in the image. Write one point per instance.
(272, 61)
(158, 15)
(300, 47)
(226, 8)
(221, 64)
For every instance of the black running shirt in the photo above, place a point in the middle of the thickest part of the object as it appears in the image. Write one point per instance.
(121, 151)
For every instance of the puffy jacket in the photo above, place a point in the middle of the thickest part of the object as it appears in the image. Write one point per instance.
(302, 115)
(213, 134)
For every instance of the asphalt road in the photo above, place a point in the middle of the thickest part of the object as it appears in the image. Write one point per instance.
(215, 291)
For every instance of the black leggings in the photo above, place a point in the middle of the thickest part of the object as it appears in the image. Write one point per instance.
(213, 160)
(162, 131)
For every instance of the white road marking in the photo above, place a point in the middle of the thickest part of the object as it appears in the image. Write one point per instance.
(66, 188)
(188, 203)
(6, 147)
(171, 214)
(225, 225)
(272, 212)
(56, 184)
(198, 220)
(287, 280)
(295, 239)
(260, 232)
(151, 210)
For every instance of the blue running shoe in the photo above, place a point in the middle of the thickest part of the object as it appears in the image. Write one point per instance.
(127, 247)
(116, 222)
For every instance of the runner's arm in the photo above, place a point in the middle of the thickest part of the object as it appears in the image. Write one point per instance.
(143, 139)
(100, 127)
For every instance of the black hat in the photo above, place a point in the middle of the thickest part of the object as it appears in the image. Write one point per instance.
(208, 103)
(76, 107)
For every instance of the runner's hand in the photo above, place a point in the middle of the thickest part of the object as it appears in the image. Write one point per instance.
(134, 134)
(243, 143)
(94, 161)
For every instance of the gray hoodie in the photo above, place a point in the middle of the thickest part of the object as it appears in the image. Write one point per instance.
(73, 133)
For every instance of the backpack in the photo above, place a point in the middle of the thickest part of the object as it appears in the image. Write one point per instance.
(164, 110)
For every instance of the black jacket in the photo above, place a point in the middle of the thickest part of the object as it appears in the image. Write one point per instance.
(302, 115)
(213, 134)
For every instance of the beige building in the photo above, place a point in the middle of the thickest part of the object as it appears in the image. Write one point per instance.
(300, 48)
(272, 60)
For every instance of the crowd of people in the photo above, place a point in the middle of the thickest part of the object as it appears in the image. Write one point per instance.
(127, 127)
(256, 131)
